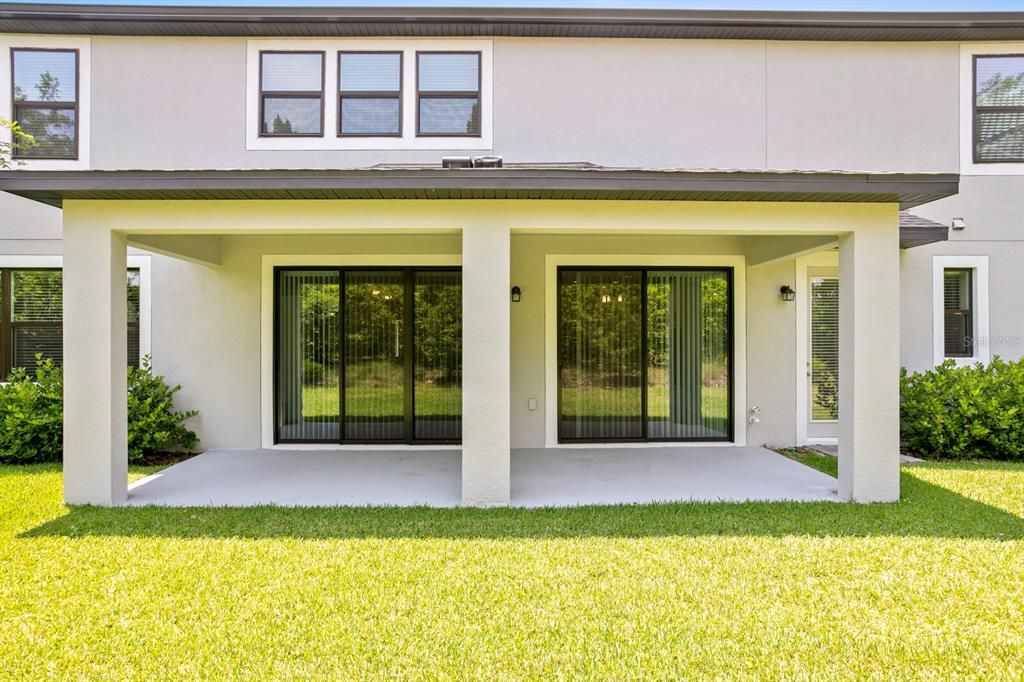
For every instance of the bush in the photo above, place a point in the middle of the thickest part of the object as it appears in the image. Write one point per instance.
(154, 426)
(964, 412)
(32, 415)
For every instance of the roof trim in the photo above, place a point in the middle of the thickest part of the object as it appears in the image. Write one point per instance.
(494, 21)
(918, 231)
(907, 189)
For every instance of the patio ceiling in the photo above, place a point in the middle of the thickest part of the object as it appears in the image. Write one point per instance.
(524, 181)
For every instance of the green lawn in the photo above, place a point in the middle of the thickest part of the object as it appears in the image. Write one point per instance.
(930, 588)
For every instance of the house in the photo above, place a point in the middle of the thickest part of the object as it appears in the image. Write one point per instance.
(511, 228)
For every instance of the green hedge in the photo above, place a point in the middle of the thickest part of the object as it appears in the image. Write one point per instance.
(32, 415)
(967, 412)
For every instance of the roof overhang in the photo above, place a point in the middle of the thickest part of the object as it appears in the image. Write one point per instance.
(510, 182)
(918, 231)
(517, 22)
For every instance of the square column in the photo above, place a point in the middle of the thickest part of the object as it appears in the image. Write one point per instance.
(486, 384)
(869, 363)
(95, 364)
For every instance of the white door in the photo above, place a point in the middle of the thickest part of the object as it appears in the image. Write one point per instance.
(823, 353)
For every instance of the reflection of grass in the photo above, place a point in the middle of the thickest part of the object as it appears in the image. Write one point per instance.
(431, 400)
(600, 401)
(374, 388)
(605, 402)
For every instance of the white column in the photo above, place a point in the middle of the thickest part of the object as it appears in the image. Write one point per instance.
(485, 366)
(95, 362)
(869, 363)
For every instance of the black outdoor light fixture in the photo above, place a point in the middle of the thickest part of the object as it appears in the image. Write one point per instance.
(787, 293)
(517, 294)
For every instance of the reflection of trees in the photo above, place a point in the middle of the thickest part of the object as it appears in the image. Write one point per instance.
(1002, 91)
(605, 316)
(439, 330)
(52, 127)
(37, 295)
(374, 313)
(282, 126)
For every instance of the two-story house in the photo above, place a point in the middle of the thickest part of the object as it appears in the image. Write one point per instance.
(510, 229)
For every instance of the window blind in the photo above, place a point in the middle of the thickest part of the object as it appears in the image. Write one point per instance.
(824, 369)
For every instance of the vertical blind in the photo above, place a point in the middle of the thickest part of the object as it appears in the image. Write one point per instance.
(688, 355)
(369, 355)
(438, 347)
(375, 350)
(824, 359)
(601, 355)
(959, 323)
(644, 354)
(308, 361)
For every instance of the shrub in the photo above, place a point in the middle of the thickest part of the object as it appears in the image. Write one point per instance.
(154, 426)
(964, 412)
(32, 415)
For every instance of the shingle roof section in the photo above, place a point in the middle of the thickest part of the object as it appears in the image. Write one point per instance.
(918, 231)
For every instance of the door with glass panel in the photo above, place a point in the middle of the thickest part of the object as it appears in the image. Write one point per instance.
(645, 354)
(368, 356)
(823, 358)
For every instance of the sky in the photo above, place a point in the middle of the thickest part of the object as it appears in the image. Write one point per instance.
(833, 5)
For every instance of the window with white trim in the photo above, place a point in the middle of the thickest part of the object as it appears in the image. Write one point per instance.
(44, 89)
(376, 94)
(31, 317)
(960, 309)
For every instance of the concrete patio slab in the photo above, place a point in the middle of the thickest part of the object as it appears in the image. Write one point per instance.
(540, 478)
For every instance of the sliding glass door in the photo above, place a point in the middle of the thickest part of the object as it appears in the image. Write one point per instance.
(368, 356)
(644, 354)
(308, 357)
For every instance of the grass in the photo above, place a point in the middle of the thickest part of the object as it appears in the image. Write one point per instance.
(931, 587)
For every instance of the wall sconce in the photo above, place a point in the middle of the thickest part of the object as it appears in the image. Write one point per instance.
(958, 224)
(786, 293)
(517, 294)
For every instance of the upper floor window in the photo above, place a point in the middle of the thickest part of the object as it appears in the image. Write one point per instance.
(45, 92)
(291, 94)
(370, 94)
(999, 108)
(448, 94)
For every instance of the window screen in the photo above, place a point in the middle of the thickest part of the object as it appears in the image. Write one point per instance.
(370, 93)
(999, 108)
(448, 93)
(957, 305)
(31, 318)
(45, 93)
(291, 93)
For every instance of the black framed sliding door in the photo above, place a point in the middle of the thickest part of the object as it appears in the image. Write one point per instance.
(645, 354)
(368, 356)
